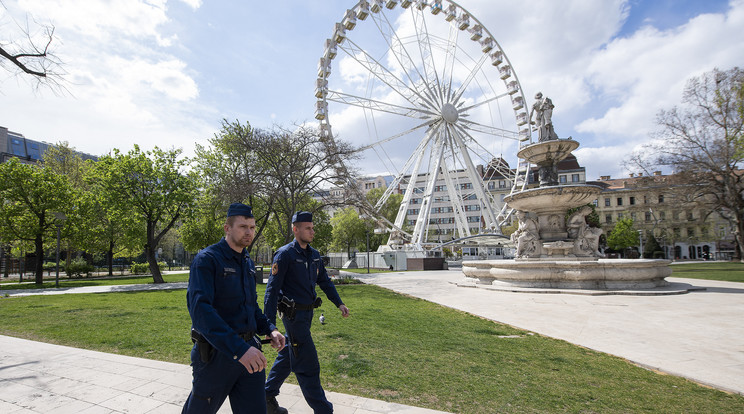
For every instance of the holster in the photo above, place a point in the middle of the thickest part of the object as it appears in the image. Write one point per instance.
(287, 308)
(204, 347)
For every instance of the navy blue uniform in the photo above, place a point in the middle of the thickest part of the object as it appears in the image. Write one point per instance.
(294, 274)
(223, 304)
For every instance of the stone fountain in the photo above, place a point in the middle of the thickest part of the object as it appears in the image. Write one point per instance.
(554, 249)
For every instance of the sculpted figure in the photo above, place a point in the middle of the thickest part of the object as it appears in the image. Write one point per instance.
(586, 238)
(543, 111)
(527, 236)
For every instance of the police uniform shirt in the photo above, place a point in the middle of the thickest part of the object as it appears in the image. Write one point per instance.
(222, 299)
(294, 274)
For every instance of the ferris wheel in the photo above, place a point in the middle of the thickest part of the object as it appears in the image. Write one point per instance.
(438, 103)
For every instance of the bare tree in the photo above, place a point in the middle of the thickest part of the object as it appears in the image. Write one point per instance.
(701, 141)
(31, 53)
(277, 171)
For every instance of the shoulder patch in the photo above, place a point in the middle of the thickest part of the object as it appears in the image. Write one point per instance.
(275, 268)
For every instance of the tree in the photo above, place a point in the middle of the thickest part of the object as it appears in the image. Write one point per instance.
(651, 248)
(150, 185)
(29, 197)
(33, 55)
(348, 230)
(387, 211)
(622, 235)
(279, 170)
(702, 142)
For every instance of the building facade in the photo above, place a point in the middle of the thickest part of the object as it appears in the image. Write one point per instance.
(660, 205)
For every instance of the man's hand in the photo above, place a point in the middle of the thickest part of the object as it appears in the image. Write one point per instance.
(277, 340)
(253, 360)
(344, 311)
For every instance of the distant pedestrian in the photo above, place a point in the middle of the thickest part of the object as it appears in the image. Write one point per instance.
(225, 319)
(296, 270)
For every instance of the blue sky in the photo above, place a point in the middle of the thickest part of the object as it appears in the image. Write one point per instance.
(166, 72)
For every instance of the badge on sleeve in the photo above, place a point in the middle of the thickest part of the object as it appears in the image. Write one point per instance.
(275, 268)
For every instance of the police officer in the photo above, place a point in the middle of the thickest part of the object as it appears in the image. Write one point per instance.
(225, 317)
(297, 268)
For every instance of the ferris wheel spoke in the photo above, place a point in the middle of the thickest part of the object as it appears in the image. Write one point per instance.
(379, 106)
(487, 129)
(396, 47)
(473, 176)
(381, 72)
(398, 135)
(449, 59)
(431, 77)
(476, 68)
(484, 102)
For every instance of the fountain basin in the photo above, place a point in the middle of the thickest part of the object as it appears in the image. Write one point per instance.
(602, 274)
(547, 151)
(550, 199)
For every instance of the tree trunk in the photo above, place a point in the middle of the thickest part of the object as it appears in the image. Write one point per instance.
(110, 259)
(152, 261)
(39, 271)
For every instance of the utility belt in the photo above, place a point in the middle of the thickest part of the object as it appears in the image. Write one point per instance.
(288, 308)
(206, 350)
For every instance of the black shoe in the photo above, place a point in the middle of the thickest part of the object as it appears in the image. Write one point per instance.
(272, 406)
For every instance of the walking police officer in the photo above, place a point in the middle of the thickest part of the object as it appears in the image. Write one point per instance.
(297, 268)
(225, 318)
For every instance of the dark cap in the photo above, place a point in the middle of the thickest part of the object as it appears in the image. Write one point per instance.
(239, 209)
(302, 217)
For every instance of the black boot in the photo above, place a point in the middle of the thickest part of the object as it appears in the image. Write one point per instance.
(272, 406)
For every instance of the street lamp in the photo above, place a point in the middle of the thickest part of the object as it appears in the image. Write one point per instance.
(59, 221)
(640, 238)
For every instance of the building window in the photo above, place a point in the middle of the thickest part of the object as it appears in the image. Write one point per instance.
(17, 147)
(595, 203)
(632, 201)
(619, 201)
(491, 185)
(676, 232)
(440, 188)
(645, 199)
(619, 216)
(575, 178)
(633, 216)
(562, 179)
(648, 216)
(607, 202)
(608, 218)
(690, 232)
(675, 215)
(662, 215)
(690, 216)
(466, 186)
(502, 183)
(661, 198)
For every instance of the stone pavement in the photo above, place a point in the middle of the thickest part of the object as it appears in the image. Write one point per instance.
(37, 377)
(697, 335)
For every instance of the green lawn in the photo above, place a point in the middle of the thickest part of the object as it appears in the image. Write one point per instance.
(393, 348)
(117, 280)
(726, 271)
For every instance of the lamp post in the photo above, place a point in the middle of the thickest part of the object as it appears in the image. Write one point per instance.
(366, 231)
(59, 222)
(640, 238)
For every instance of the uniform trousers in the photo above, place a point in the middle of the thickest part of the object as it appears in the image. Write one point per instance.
(305, 365)
(221, 377)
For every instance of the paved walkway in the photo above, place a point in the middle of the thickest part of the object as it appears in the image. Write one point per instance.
(698, 335)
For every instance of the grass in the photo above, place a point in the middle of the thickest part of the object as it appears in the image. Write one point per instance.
(726, 271)
(107, 281)
(393, 348)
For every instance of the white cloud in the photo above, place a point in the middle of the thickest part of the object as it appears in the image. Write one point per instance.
(647, 71)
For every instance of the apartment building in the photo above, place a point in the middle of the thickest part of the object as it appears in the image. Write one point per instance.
(660, 205)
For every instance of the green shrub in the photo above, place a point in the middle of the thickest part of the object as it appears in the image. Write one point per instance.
(78, 267)
(144, 268)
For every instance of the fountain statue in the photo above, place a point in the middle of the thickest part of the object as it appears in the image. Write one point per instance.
(555, 249)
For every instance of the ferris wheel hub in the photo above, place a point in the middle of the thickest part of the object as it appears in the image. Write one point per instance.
(449, 113)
